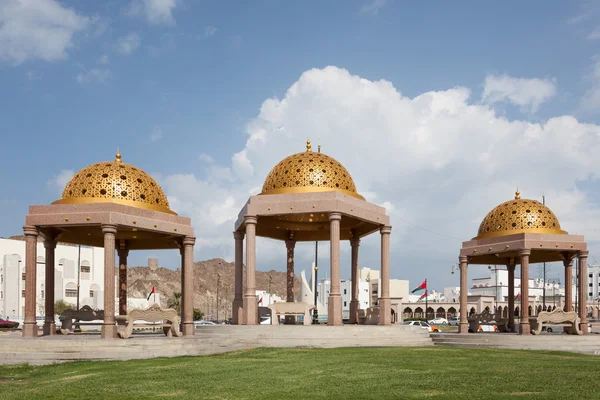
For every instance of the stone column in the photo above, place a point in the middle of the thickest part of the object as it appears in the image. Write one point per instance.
(109, 329)
(250, 306)
(290, 244)
(187, 295)
(182, 286)
(123, 252)
(238, 299)
(463, 326)
(334, 308)
(511, 296)
(30, 324)
(524, 328)
(385, 304)
(568, 263)
(583, 290)
(49, 322)
(354, 304)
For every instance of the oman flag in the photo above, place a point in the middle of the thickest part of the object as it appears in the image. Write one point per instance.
(423, 295)
(422, 286)
(518, 296)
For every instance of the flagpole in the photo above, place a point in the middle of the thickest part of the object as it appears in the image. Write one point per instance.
(426, 301)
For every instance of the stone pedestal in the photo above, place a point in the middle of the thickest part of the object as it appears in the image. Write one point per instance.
(334, 310)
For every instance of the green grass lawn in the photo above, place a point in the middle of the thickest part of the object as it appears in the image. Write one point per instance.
(376, 373)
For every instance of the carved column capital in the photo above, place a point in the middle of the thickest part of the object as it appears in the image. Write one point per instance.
(463, 259)
(109, 228)
(30, 230)
(524, 252)
(335, 216)
(238, 235)
(583, 254)
(250, 219)
(50, 244)
(189, 241)
(385, 230)
(354, 242)
(290, 244)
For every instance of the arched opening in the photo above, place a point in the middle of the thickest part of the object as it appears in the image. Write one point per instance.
(440, 312)
(418, 312)
(451, 312)
(407, 313)
(430, 313)
(517, 311)
(86, 270)
(71, 292)
(472, 311)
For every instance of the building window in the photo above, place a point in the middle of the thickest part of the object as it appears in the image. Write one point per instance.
(91, 293)
(85, 269)
(344, 291)
(70, 292)
(23, 293)
(344, 304)
(1, 295)
(591, 275)
(590, 285)
(591, 294)
(23, 276)
(42, 294)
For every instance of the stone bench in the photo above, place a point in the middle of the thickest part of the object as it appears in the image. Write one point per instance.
(86, 316)
(368, 316)
(485, 317)
(291, 309)
(168, 319)
(558, 317)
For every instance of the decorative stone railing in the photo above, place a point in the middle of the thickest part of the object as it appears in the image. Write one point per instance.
(557, 317)
(84, 315)
(291, 309)
(168, 319)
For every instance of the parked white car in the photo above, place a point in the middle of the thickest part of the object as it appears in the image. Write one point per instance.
(438, 321)
(454, 321)
(202, 323)
(421, 324)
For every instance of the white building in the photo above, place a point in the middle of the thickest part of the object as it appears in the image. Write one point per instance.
(593, 282)
(12, 277)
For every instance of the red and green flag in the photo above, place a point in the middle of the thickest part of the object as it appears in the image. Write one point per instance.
(423, 295)
(422, 286)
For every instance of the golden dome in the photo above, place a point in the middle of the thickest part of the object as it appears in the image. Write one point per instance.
(115, 182)
(308, 172)
(519, 216)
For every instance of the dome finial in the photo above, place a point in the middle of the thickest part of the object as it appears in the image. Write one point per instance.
(118, 156)
(517, 194)
(308, 147)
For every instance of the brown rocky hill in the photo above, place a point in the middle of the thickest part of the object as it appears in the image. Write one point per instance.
(166, 282)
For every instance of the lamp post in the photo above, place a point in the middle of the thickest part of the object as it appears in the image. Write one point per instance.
(218, 284)
(316, 311)
(495, 269)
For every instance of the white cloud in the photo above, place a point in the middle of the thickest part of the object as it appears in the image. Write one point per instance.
(155, 11)
(595, 34)
(32, 75)
(59, 181)
(373, 7)
(104, 59)
(206, 158)
(128, 44)
(528, 94)
(209, 31)
(94, 75)
(438, 161)
(591, 99)
(156, 134)
(37, 29)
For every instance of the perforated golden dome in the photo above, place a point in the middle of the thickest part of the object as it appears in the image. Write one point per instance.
(519, 216)
(115, 182)
(309, 172)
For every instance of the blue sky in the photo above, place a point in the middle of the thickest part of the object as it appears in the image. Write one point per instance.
(178, 85)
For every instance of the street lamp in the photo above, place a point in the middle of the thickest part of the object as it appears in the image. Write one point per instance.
(454, 267)
(316, 311)
(495, 269)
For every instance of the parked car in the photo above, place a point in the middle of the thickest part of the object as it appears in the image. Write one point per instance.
(7, 324)
(454, 321)
(487, 327)
(438, 321)
(423, 325)
(202, 323)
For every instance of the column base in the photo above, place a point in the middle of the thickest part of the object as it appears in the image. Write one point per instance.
(463, 327)
(237, 312)
(49, 328)
(524, 328)
(354, 311)
(583, 327)
(30, 329)
(109, 331)
(385, 312)
(187, 328)
(290, 320)
(250, 310)
(334, 310)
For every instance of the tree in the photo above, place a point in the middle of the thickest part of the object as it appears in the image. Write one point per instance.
(198, 315)
(41, 309)
(175, 302)
(60, 306)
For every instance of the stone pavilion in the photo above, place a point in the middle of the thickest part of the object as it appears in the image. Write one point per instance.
(309, 196)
